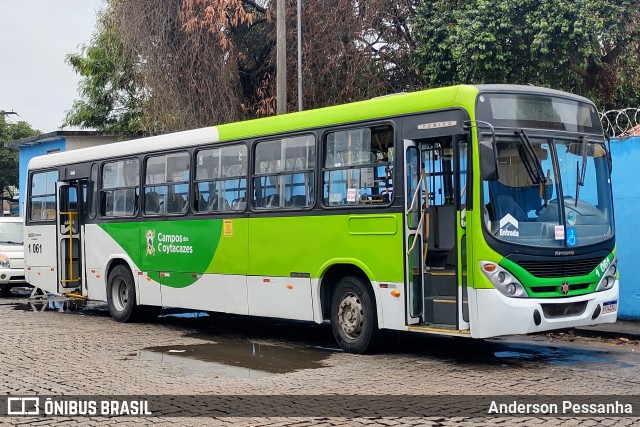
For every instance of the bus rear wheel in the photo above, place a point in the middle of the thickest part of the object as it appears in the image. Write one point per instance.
(121, 295)
(353, 316)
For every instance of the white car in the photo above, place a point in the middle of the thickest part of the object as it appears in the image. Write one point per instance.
(11, 253)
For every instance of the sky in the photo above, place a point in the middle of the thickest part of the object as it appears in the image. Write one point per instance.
(35, 80)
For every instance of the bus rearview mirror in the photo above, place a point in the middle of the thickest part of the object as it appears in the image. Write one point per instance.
(488, 161)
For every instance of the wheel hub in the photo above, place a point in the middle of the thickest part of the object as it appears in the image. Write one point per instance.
(119, 292)
(351, 316)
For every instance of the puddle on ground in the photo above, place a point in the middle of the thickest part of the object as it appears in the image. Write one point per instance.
(185, 315)
(62, 306)
(506, 353)
(66, 306)
(236, 358)
(559, 356)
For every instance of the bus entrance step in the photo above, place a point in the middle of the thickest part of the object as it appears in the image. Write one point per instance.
(441, 310)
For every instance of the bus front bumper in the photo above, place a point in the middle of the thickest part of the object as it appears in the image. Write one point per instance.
(501, 315)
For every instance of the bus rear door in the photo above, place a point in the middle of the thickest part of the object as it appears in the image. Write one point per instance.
(69, 237)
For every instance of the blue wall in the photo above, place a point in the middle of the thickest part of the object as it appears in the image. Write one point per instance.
(28, 152)
(626, 196)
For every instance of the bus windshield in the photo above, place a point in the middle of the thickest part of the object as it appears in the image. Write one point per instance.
(550, 192)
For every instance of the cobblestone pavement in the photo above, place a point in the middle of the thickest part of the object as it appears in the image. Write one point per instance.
(84, 352)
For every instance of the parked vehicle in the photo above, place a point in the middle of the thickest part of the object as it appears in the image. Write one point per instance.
(11, 253)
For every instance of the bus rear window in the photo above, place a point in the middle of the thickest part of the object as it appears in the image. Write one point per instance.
(42, 202)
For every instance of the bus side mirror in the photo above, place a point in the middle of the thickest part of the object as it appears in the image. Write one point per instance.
(488, 161)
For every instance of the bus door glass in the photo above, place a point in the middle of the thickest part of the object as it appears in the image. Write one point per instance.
(440, 255)
(465, 196)
(413, 232)
(68, 236)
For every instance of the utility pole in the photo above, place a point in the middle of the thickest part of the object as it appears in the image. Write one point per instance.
(281, 58)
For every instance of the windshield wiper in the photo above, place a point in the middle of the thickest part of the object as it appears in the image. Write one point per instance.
(581, 173)
(10, 242)
(530, 159)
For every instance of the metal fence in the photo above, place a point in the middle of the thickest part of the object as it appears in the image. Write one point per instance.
(621, 123)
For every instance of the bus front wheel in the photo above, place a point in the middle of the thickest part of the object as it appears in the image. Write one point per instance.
(121, 294)
(353, 316)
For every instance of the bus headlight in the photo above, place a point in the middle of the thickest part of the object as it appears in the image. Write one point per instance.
(609, 278)
(4, 261)
(502, 280)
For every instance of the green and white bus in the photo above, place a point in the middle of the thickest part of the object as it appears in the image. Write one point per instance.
(468, 210)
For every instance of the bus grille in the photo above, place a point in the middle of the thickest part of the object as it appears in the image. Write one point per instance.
(564, 268)
(554, 311)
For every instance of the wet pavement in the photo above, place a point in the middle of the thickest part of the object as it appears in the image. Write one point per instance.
(72, 347)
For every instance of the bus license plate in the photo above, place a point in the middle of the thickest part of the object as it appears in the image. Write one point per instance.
(609, 307)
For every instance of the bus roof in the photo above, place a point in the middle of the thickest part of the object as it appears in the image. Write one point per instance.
(386, 106)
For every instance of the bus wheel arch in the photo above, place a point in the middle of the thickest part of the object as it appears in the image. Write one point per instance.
(349, 303)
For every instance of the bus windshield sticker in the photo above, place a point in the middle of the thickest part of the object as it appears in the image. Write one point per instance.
(335, 197)
(509, 226)
(559, 231)
(228, 227)
(572, 237)
(366, 177)
(351, 195)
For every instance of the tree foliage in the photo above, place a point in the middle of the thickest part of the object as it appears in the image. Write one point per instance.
(9, 156)
(111, 90)
(159, 66)
(177, 64)
(352, 50)
(588, 47)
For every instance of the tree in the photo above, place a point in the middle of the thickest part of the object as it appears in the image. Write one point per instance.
(588, 47)
(352, 50)
(111, 90)
(182, 64)
(9, 156)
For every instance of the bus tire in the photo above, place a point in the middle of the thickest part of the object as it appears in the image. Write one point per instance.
(353, 316)
(121, 295)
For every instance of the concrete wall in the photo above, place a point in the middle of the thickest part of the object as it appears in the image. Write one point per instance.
(626, 196)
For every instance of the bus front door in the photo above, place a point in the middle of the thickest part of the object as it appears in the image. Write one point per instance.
(68, 236)
(435, 178)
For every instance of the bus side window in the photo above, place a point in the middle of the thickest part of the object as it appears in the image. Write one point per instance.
(283, 173)
(358, 166)
(220, 178)
(119, 191)
(151, 204)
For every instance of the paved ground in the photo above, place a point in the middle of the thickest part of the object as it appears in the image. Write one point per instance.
(83, 352)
